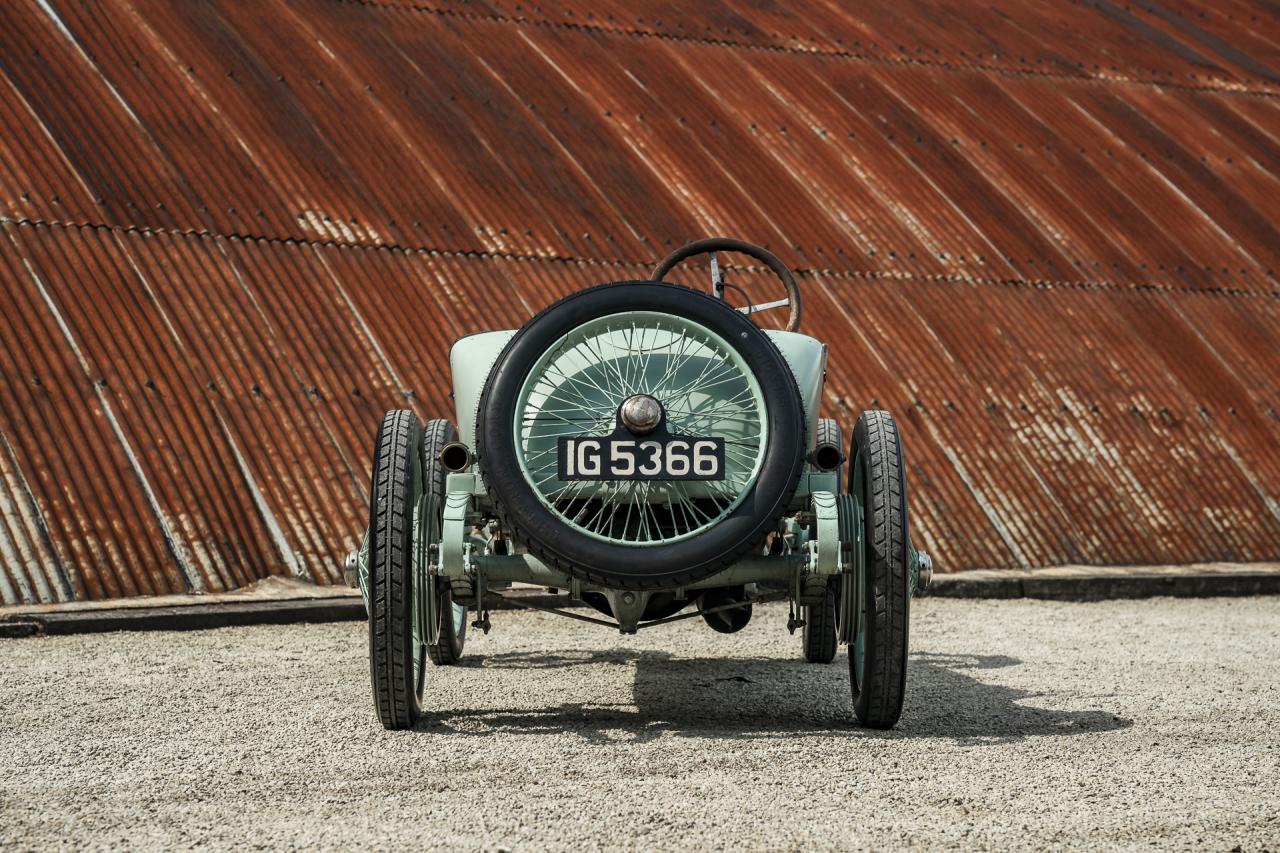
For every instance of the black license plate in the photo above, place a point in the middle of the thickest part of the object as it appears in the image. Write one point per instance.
(618, 457)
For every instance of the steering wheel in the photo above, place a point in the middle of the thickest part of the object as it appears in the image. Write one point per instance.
(725, 244)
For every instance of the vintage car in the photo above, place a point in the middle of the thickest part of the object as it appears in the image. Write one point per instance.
(641, 448)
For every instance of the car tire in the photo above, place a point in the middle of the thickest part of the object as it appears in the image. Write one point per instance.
(878, 653)
(819, 632)
(397, 660)
(651, 567)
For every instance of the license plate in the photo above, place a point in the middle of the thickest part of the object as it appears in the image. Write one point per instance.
(615, 457)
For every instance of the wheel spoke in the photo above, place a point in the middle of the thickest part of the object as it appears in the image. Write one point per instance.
(707, 390)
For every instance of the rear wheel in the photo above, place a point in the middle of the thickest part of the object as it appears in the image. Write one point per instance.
(397, 630)
(452, 630)
(878, 651)
(819, 631)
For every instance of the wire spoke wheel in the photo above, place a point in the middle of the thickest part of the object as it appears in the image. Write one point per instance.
(661, 373)
(704, 386)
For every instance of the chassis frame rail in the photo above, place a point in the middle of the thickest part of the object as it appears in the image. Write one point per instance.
(701, 611)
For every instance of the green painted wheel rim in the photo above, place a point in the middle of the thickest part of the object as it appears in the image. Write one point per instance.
(860, 647)
(431, 528)
(707, 390)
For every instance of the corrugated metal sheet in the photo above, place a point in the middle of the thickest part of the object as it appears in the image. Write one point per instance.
(232, 235)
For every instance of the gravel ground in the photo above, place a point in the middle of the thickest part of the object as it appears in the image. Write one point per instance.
(1028, 724)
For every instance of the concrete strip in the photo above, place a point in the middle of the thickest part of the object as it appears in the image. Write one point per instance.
(279, 601)
(198, 612)
(189, 618)
(1099, 583)
(274, 588)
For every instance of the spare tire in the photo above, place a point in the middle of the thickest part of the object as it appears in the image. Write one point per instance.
(720, 384)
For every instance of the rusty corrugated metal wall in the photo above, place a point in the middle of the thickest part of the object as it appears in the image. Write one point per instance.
(233, 234)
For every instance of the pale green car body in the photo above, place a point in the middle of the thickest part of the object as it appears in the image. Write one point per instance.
(814, 551)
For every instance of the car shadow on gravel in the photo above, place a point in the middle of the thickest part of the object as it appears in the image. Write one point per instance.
(742, 698)
(948, 696)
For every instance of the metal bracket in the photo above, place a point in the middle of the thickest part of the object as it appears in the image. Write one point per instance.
(920, 565)
(350, 568)
(627, 607)
(825, 547)
(762, 306)
(792, 534)
(792, 621)
(460, 481)
(454, 536)
(717, 277)
(481, 591)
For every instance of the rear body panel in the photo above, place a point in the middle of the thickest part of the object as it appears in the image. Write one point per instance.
(472, 358)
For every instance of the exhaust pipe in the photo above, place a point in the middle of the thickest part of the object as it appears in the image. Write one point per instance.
(456, 456)
(826, 457)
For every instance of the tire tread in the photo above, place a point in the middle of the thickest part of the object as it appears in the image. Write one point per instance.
(390, 628)
(819, 632)
(879, 703)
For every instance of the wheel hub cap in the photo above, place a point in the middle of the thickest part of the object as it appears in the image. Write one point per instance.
(641, 414)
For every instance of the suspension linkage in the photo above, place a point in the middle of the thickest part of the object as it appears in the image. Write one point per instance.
(557, 612)
(776, 596)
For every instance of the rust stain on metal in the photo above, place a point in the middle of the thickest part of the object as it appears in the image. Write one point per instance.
(231, 236)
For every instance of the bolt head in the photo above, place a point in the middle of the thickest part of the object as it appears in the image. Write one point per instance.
(641, 413)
